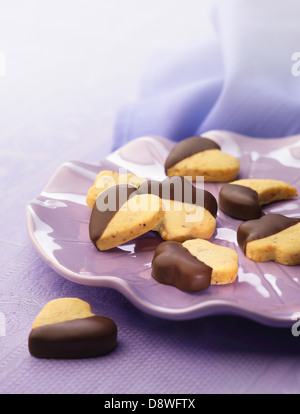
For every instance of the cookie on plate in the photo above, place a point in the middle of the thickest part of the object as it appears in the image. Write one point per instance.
(188, 212)
(243, 199)
(122, 213)
(67, 328)
(194, 265)
(106, 179)
(272, 237)
(222, 259)
(201, 157)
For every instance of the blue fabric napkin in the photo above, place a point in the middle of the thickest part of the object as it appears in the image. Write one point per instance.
(244, 79)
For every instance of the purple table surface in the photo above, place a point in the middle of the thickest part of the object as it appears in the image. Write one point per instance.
(54, 108)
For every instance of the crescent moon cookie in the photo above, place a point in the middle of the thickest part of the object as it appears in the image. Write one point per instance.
(194, 265)
(67, 328)
(272, 237)
(122, 213)
(188, 212)
(198, 156)
(243, 199)
(106, 179)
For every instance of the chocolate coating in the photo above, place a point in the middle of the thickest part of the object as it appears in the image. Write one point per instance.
(263, 227)
(174, 265)
(239, 202)
(180, 189)
(174, 188)
(100, 218)
(188, 147)
(79, 338)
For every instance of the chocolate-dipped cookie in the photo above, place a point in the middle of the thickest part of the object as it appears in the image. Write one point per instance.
(244, 199)
(222, 259)
(194, 265)
(174, 265)
(188, 212)
(175, 208)
(201, 157)
(122, 213)
(272, 237)
(66, 328)
(106, 179)
(239, 202)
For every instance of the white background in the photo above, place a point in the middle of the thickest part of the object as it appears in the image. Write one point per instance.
(70, 64)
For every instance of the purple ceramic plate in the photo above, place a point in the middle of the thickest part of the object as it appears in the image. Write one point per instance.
(58, 222)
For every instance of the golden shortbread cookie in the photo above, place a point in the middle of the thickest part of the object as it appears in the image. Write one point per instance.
(243, 199)
(106, 179)
(61, 310)
(214, 165)
(223, 260)
(188, 212)
(201, 157)
(182, 221)
(129, 224)
(66, 328)
(175, 208)
(273, 237)
(268, 190)
(130, 215)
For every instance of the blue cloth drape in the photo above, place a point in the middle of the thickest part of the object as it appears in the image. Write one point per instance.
(243, 79)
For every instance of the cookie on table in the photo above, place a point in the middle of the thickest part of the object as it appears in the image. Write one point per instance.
(106, 179)
(121, 213)
(243, 199)
(201, 157)
(188, 212)
(272, 237)
(194, 265)
(67, 328)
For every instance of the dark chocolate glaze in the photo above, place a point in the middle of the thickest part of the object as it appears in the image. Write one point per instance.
(263, 227)
(174, 265)
(240, 202)
(99, 217)
(188, 147)
(175, 188)
(79, 338)
(180, 189)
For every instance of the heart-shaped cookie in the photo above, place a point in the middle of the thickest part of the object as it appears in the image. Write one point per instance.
(188, 212)
(67, 328)
(272, 237)
(194, 265)
(122, 213)
(243, 199)
(223, 260)
(174, 265)
(106, 179)
(201, 157)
